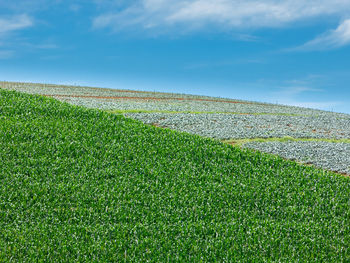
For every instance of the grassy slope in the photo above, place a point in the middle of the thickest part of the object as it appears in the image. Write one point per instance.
(79, 184)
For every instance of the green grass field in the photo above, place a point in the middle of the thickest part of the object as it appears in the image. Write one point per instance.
(85, 185)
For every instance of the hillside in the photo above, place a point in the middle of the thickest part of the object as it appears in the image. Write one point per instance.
(82, 184)
(306, 135)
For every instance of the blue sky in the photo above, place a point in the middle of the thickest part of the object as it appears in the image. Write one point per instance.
(290, 52)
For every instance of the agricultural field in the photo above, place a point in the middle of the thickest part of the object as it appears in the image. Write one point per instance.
(81, 184)
(223, 119)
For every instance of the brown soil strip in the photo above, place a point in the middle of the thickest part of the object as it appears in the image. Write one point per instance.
(344, 174)
(150, 98)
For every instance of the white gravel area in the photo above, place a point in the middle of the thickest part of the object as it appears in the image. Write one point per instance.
(237, 126)
(328, 155)
(219, 106)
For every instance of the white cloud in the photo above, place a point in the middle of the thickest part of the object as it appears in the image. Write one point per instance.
(14, 23)
(292, 91)
(30, 6)
(8, 25)
(225, 13)
(302, 95)
(332, 39)
(221, 63)
(325, 105)
(295, 96)
(6, 54)
(74, 7)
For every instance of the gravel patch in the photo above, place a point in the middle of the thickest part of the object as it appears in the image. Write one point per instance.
(231, 126)
(327, 155)
(197, 106)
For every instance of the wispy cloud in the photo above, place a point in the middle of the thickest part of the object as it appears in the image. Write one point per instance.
(293, 91)
(30, 6)
(6, 54)
(333, 39)
(326, 105)
(222, 63)
(303, 94)
(43, 45)
(13, 23)
(74, 7)
(194, 14)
